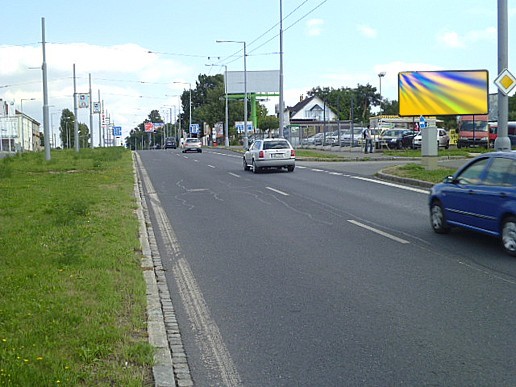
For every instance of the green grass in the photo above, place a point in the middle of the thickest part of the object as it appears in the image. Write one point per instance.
(72, 294)
(417, 171)
(318, 154)
(452, 152)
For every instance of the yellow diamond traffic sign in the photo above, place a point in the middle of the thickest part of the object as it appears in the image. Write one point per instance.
(505, 81)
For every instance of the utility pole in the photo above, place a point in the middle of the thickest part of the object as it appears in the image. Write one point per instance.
(75, 111)
(45, 94)
(502, 142)
(281, 106)
(91, 116)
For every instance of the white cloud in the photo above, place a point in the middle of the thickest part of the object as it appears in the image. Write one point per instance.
(314, 27)
(131, 81)
(367, 31)
(453, 39)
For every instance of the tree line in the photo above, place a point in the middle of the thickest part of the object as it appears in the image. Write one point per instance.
(208, 106)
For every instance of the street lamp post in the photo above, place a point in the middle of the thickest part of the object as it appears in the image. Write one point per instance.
(190, 103)
(246, 140)
(22, 126)
(226, 114)
(380, 76)
(281, 106)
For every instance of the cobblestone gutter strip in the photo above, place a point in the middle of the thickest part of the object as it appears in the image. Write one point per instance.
(171, 366)
(162, 370)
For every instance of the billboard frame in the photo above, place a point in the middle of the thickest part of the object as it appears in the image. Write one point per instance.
(441, 93)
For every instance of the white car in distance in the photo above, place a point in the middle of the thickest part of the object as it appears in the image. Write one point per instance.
(269, 153)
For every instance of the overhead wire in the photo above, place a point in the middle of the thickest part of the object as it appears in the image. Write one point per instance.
(225, 60)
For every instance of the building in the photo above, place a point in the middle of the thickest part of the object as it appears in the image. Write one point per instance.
(390, 122)
(309, 109)
(18, 131)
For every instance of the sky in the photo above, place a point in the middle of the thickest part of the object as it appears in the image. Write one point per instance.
(142, 55)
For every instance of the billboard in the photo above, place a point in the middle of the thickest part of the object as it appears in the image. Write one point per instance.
(433, 93)
(266, 81)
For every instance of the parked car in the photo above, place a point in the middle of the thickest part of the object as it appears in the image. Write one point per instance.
(269, 153)
(346, 139)
(316, 139)
(443, 140)
(192, 144)
(480, 196)
(170, 143)
(331, 138)
(396, 138)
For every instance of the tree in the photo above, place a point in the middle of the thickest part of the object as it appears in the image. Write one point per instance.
(390, 108)
(140, 139)
(349, 103)
(67, 129)
(84, 135)
(512, 108)
(268, 123)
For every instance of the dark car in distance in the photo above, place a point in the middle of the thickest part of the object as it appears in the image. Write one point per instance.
(170, 143)
(396, 138)
(480, 196)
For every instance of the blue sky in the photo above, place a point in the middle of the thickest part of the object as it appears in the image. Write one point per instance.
(333, 43)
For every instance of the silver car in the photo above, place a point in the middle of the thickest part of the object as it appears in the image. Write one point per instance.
(443, 140)
(270, 153)
(192, 144)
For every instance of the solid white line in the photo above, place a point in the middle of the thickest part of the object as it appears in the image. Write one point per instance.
(277, 191)
(382, 233)
(208, 334)
(423, 191)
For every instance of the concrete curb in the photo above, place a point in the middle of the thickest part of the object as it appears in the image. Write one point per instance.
(404, 180)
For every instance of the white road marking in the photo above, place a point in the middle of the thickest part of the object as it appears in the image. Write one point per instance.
(234, 174)
(208, 335)
(419, 190)
(380, 232)
(277, 191)
(211, 166)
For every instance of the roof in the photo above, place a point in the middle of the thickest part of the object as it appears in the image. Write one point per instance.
(300, 105)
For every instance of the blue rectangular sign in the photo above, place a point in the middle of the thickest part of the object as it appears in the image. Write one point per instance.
(194, 128)
(117, 131)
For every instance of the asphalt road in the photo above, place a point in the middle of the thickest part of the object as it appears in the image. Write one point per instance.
(325, 276)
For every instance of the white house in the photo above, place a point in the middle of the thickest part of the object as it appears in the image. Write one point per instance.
(309, 109)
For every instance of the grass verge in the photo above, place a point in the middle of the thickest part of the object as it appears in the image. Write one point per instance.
(418, 172)
(72, 294)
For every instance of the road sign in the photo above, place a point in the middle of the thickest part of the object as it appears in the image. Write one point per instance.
(422, 122)
(239, 125)
(194, 128)
(505, 82)
(149, 127)
(117, 131)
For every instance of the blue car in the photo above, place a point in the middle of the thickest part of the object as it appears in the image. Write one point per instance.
(480, 196)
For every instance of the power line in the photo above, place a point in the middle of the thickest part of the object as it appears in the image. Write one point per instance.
(275, 36)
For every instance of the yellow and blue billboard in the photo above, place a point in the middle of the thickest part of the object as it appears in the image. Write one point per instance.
(430, 93)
